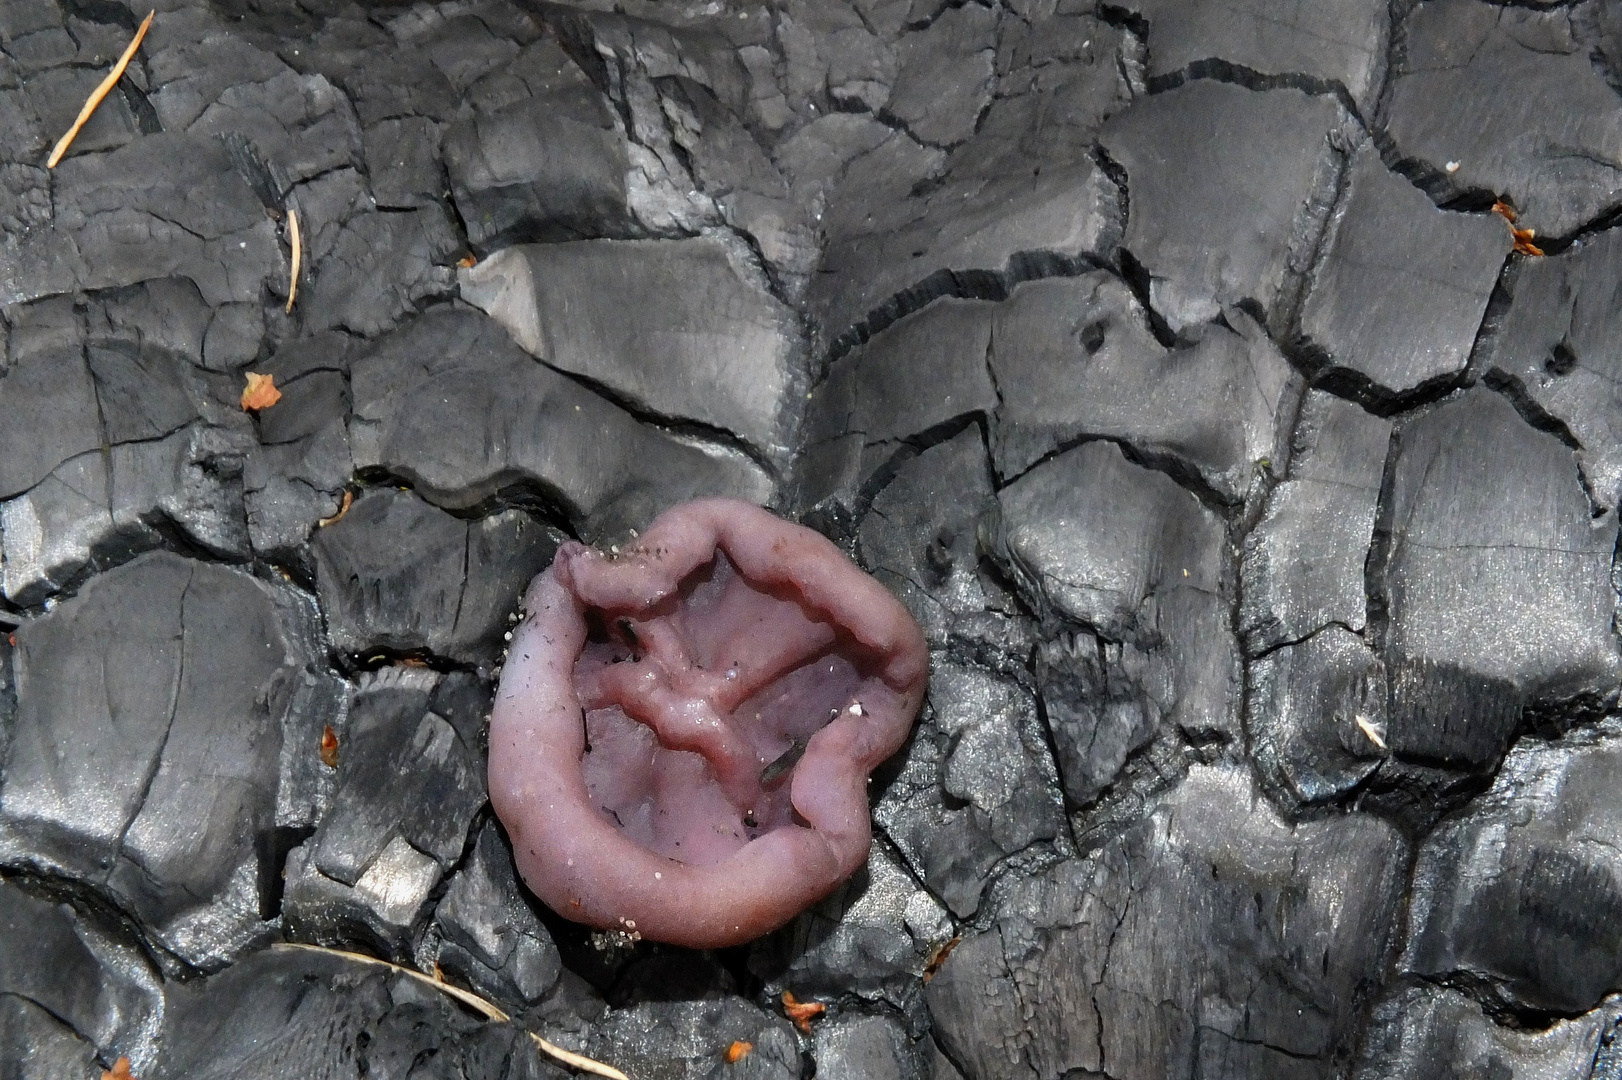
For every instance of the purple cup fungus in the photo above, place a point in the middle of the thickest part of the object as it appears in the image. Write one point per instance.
(682, 737)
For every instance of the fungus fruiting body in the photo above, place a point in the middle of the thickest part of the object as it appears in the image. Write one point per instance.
(683, 733)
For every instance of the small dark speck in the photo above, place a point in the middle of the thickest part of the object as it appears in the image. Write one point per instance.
(1091, 336)
(1562, 360)
(785, 761)
(628, 632)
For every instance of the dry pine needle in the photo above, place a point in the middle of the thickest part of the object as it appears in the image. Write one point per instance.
(100, 92)
(343, 508)
(298, 256)
(474, 1002)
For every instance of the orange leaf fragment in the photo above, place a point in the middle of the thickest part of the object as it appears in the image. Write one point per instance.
(261, 392)
(1504, 210)
(329, 748)
(119, 1071)
(802, 1012)
(938, 955)
(466, 262)
(737, 1051)
(349, 500)
(11, 639)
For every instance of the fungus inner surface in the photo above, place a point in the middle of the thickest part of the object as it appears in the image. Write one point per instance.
(697, 709)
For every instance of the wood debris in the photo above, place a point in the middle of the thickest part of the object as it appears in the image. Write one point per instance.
(467, 262)
(1523, 242)
(802, 1012)
(260, 393)
(329, 747)
(474, 1002)
(737, 1051)
(100, 92)
(1374, 732)
(298, 256)
(343, 508)
(1523, 237)
(938, 955)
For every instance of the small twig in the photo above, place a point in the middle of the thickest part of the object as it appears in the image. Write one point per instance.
(472, 1001)
(100, 92)
(343, 508)
(298, 253)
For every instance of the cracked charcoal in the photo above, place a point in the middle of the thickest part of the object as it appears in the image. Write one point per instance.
(1164, 358)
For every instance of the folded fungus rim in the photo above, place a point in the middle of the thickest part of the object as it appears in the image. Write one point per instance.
(592, 872)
